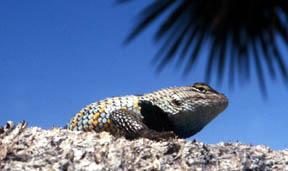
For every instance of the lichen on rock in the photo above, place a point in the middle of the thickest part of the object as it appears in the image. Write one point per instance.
(23, 148)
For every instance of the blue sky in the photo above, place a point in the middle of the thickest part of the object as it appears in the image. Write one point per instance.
(58, 56)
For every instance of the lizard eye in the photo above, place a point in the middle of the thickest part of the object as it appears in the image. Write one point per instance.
(202, 89)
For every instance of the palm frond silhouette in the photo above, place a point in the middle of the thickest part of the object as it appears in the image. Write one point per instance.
(242, 34)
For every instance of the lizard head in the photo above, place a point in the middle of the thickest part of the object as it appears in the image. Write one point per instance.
(198, 104)
(184, 110)
(199, 98)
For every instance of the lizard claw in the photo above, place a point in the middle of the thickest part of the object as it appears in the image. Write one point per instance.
(158, 136)
(166, 135)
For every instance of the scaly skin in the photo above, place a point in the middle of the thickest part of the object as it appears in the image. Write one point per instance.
(181, 111)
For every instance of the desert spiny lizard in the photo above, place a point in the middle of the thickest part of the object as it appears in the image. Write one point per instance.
(181, 111)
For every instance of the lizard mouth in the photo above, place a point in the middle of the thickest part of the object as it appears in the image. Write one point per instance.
(222, 103)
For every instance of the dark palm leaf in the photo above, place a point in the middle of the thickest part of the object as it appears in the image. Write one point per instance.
(246, 28)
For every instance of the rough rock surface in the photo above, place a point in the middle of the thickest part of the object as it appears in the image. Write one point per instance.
(33, 148)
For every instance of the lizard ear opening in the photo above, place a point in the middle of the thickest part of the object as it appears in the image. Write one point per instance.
(176, 102)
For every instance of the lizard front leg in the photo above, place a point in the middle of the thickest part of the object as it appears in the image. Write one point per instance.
(132, 126)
